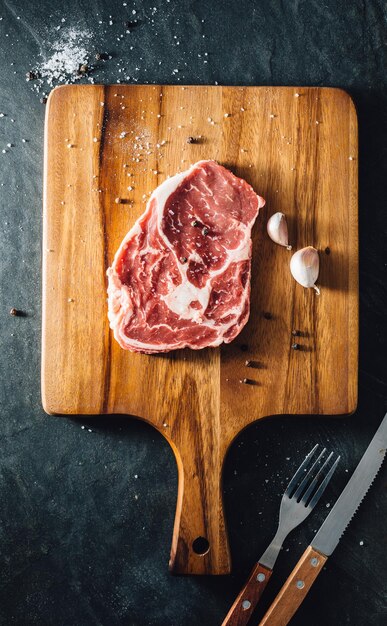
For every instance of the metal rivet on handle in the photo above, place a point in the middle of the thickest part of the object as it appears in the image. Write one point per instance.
(246, 605)
(314, 561)
(300, 584)
(261, 577)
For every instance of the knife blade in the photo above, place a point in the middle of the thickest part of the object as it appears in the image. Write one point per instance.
(325, 541)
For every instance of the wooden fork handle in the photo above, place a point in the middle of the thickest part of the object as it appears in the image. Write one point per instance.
(295, 589)
(247, 600)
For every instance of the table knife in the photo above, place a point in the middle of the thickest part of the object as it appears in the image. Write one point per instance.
(315, 556)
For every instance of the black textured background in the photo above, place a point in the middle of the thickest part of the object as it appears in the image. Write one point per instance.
(86, 517)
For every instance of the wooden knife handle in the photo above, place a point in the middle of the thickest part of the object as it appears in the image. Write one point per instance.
(295, 589)
(247, 600)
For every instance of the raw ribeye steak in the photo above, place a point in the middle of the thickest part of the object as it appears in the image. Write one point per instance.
(181, 276)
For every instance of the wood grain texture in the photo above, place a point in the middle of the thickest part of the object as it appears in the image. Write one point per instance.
(295, 589)
(246, 601)
(306, 169)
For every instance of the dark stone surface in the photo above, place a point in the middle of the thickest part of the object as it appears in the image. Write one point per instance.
(82, 540)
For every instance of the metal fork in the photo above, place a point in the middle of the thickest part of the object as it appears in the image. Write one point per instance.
(301, 496)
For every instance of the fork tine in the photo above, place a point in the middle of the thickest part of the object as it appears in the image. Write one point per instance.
(315, 480)
(300, 471)
(308, 476)
(323, 485)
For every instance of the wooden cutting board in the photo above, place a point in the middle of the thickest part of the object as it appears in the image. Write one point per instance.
(298, 148)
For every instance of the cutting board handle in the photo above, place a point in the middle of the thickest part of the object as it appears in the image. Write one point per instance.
(199, 543)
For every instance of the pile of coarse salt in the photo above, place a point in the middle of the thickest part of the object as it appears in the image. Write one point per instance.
(64, 56)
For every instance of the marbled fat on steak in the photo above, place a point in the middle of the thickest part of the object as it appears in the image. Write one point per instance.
(181, 276)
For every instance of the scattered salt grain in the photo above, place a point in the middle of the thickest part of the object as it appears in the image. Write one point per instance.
(65, 56)
(70, 145)
(2, 114)
(83, 428)
(95, 139)
(9, 145)
(296, 95)
(361, 543)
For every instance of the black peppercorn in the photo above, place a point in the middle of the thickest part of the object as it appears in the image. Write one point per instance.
(327, 250)
(295, 346)
(191, 140)
(82, 69)
(183, 259)
(102, 56)
(32, 75)
(195, 223)
(296, 333)
(131, 24)
(244, 347)
(248, 363)
(205, 231)
(267, 315)
(43, 100)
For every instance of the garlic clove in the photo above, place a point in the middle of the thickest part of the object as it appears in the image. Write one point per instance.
(304, 266)
(277, 229)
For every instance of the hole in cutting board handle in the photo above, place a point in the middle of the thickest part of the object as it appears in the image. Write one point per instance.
(200, 546)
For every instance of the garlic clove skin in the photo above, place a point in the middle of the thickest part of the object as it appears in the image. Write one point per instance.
(304, 266)
(277, 229)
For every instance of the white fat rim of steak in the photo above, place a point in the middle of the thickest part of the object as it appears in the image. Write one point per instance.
(179, 297)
